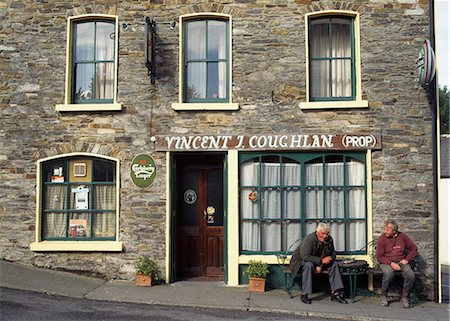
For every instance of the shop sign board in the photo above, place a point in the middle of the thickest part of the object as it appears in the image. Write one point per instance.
(310, 142)
(143, 170)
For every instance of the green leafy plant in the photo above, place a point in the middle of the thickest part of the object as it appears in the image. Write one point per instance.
(257, 269)
(145, 266)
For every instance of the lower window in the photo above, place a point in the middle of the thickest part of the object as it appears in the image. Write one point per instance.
(78, 199)
(284, 196)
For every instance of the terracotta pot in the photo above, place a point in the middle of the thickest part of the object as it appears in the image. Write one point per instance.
(143, 280)
(256, 284)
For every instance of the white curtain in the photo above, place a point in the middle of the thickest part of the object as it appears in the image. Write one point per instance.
(196, 49)
(250, 230)
(334, 200)
(105, 51)
(104, 224)
(356, 204)
(219, 39)
(54, 224)
(341, 84)
(270, 202)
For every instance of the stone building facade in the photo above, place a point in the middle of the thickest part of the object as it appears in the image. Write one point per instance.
(261, 113)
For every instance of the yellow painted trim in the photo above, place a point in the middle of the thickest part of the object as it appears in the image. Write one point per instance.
(369, 215)
(40, 245)
(358, 93)
(168, 222)
(81, 246)
(88, 107)
(205, 106)
(233, 218)
(334, 104)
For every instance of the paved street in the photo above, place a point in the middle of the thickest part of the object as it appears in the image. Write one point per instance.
(19, 305)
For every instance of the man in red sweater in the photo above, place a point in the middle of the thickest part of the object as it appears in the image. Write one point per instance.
(394, 252)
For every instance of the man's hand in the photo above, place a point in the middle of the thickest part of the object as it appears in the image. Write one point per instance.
(395, 266)
(318, 269)
(326, 260)
(404, 262)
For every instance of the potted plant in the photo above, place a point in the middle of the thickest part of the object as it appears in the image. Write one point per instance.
(146, 271)
(257, 272)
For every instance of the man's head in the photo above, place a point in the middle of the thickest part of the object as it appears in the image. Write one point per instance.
(322, 232)
(390, 227)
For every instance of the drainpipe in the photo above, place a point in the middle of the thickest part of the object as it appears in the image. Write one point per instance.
(434, 127)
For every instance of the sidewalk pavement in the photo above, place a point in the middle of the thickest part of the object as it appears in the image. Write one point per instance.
(216, 295)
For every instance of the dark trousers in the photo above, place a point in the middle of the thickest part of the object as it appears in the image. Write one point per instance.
(334, 276)
(389, 273)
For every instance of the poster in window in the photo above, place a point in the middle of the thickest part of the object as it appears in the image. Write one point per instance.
(81, 198)
(78, 228)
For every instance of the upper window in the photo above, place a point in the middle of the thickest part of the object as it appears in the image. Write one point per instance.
(77, 200)
(91, 64)
(333, 61)
(284, 197)
(205, 69)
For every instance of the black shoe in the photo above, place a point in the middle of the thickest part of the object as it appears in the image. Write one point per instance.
(305, 299)
(336, 296)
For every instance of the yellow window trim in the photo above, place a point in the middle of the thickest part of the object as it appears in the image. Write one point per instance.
(358, 102)
(88, 107)
(40, 245)
(80, 246)
(67, 106)
(204, 106)
(334, 104)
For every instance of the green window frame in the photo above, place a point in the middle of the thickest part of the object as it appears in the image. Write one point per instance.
(93, 63)
(206, 60)
(283, 196)
(332, 61)
(79, 207)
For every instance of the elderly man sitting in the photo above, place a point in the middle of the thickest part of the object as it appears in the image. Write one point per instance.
(314, 254)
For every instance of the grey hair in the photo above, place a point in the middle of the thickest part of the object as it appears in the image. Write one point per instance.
(323, 227)
(392, 222)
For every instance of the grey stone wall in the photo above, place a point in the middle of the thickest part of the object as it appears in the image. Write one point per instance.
(268, 82)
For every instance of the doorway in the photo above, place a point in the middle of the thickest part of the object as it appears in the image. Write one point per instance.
(199, 217)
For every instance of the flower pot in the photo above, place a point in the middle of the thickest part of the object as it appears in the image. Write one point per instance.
(256, 284)
(143, 280)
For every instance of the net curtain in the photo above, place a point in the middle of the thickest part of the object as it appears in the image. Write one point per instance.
(269, 205)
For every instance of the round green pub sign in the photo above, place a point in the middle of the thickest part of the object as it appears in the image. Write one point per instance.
(143, 170)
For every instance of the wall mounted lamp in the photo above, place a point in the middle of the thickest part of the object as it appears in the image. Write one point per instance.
(149, 47)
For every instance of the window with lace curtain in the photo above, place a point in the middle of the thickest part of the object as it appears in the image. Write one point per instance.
(78, 206)
(284, 196)
(331, 58)
(333, 65)
(205, 62)
(91, 73)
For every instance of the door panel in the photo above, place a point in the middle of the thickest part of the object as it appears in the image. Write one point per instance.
(200, 251)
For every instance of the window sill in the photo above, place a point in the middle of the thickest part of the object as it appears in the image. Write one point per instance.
(205, 106)
(81, 246)
(89, 107)
(334, 104)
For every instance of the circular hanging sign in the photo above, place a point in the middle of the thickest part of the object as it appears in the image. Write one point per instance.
(426, 64)
(190, 196)
(143, 170)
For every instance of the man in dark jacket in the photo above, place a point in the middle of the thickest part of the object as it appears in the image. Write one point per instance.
(315, 253)
(394, 252)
